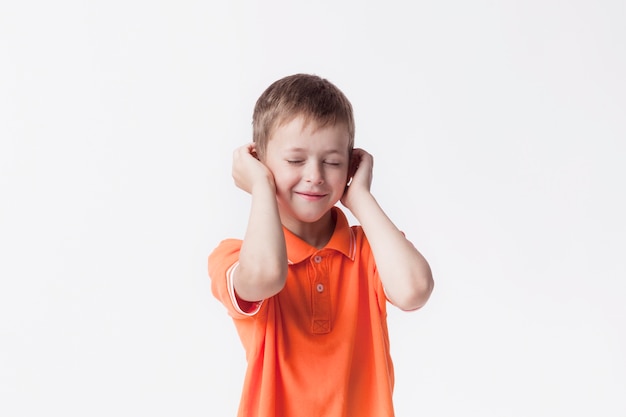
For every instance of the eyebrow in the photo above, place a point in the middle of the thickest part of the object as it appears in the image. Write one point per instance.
(332, 151)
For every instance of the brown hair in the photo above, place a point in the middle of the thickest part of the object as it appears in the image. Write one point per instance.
(310, 96)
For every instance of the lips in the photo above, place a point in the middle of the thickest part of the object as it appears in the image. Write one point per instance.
(311, 196)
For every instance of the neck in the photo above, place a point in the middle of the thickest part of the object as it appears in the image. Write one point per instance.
(316, 234)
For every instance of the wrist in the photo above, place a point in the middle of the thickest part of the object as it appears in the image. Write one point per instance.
(264, 184)
(359, 202)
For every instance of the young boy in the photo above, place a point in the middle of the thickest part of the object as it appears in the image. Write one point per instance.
(306, 290)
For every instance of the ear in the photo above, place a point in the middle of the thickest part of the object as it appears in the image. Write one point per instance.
(352, 166)
(351, 169)
(254, 152)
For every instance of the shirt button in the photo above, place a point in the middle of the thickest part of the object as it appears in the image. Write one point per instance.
(320, 288)
(317, 259)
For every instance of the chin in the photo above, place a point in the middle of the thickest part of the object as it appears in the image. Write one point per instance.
(309, 216)
(307, 213)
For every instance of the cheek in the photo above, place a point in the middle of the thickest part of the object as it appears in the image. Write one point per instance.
(341, 176)
(284, 179)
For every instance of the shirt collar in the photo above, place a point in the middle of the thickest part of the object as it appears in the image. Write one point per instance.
(342, 240)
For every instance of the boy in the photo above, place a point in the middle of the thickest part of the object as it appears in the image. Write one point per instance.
(306, 290)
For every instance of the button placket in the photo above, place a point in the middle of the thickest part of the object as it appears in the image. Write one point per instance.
(321, 322)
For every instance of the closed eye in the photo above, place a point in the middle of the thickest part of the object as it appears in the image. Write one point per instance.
(332, 163)
(294, 161)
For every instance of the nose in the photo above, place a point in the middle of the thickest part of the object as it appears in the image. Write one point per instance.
(314, 173)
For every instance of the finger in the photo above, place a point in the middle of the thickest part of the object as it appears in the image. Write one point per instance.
(242, 149)
(357, 158)
(356, 155)
(365, 159)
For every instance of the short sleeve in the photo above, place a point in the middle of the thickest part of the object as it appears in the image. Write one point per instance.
(365, 254)
(223, 261)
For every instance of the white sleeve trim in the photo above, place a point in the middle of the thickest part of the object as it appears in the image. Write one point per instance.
(233, 297)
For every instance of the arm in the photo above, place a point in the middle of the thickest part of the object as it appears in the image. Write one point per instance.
(262, 268)
(404, 272)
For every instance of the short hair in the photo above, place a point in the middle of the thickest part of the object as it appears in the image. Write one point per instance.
(310, 96)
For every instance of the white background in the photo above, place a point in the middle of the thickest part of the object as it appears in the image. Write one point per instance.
(498, 132)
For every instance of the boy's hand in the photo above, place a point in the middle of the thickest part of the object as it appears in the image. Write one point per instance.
(248, 170)
(361, 170)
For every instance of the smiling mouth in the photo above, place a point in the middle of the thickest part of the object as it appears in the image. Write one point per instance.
(311, 197)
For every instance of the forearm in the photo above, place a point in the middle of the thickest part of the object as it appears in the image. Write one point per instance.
(404, 272)
(262, 266)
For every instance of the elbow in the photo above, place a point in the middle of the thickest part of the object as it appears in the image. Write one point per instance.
(260, 283)
(416, 296)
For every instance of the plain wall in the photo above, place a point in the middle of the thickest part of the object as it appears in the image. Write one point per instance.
(498, 134)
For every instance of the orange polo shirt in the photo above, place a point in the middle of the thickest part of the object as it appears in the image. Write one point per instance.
(319, 347)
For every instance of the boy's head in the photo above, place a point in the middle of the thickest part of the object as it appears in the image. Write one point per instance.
(314, 98)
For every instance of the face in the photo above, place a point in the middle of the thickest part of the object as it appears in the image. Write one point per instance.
(310, 168)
